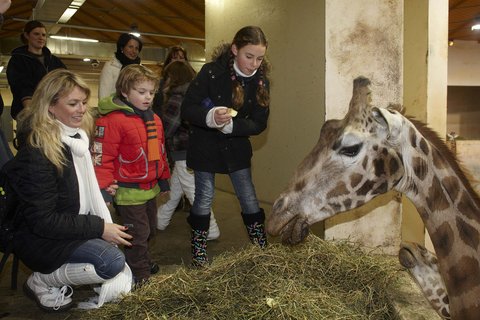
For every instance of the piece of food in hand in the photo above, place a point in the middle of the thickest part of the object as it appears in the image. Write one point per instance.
(232, 112)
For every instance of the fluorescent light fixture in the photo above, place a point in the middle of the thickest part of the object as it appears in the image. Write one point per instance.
(73, 39)
(87, 59)
(476, 25)
(1, 68)
(136, 34)
(70, 11)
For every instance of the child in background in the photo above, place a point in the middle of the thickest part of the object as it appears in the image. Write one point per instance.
(129, 154)
(178, 75)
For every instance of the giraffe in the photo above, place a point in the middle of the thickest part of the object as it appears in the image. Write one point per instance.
(371, 151)
(423, 267)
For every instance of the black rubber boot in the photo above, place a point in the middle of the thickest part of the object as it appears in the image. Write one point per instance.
(199, 225)
(255, 224)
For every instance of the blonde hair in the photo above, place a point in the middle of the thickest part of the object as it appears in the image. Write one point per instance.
(38, 126)
(132, 74)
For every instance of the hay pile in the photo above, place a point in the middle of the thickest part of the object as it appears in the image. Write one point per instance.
(315, 280)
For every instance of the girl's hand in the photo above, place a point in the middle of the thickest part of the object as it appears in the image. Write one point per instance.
(116, 234)
(222, 116)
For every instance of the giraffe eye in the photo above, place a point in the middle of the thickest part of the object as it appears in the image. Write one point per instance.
(351, 151)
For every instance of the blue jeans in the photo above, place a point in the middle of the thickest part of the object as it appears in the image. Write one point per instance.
(242, 184)
(107, 259)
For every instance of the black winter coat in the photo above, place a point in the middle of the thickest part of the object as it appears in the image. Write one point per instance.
(50, 228)
(24, 72)
(209, 149)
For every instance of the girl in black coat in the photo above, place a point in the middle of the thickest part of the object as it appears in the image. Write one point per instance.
(29, 64)
(227, 103)
(65, 234)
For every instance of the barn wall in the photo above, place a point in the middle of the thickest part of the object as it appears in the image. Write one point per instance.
(295, 30)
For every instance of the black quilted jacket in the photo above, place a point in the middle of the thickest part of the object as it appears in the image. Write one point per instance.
(209, 149)
(50, 227)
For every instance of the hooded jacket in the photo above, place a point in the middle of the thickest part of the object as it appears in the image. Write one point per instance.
(120, 150)
(24, 72)
(209, 149)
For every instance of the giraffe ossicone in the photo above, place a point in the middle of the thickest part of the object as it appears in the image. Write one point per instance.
(373, 150)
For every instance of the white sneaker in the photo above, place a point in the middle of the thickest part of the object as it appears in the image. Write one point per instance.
(213, 230)
(48, 298)
(163, 220)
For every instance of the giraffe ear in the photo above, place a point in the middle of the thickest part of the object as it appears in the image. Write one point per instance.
(380, 118)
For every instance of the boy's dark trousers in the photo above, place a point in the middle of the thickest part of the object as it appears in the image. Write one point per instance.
(144, 220)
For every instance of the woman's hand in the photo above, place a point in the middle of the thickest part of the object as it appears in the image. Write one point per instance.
(116, 234)
(112, 189)
(222, 116)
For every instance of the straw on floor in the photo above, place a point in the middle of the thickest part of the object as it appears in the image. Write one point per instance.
(314, 280)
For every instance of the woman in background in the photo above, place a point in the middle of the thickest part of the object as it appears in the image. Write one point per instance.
(29, 64)
(128, 49)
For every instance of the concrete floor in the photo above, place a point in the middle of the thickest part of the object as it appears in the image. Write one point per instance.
(169, 248)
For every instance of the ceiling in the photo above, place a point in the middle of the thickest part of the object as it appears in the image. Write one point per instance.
(462, 14)
(162, 23)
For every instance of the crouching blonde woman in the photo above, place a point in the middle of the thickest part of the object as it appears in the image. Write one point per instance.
(65, 232)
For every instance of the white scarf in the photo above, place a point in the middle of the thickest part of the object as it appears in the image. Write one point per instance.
(91, 202)
(240, 73)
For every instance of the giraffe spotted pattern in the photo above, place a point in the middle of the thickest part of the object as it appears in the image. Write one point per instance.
(373, 150)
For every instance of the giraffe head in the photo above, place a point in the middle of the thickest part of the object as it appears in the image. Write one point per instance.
(354, 160)
(423, 266)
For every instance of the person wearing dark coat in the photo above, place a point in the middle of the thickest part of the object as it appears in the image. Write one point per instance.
(29, 64)
(64, 232)
(225, 104)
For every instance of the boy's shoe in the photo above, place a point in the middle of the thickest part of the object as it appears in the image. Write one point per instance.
(154, 268)
(48, 298)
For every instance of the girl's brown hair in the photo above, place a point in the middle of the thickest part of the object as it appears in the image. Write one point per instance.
(178, 73)
(245, 36)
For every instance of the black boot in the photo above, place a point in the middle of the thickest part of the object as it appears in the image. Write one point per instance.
(255, 224)
(199, 225)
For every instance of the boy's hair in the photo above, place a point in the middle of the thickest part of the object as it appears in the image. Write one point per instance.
(132, 74)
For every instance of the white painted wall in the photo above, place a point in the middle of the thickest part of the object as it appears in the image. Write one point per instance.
(464, 63)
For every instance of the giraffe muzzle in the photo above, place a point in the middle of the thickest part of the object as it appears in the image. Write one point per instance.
(295, 231)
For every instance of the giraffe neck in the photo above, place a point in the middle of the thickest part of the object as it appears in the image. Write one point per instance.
(450, 210)
(423, 267)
